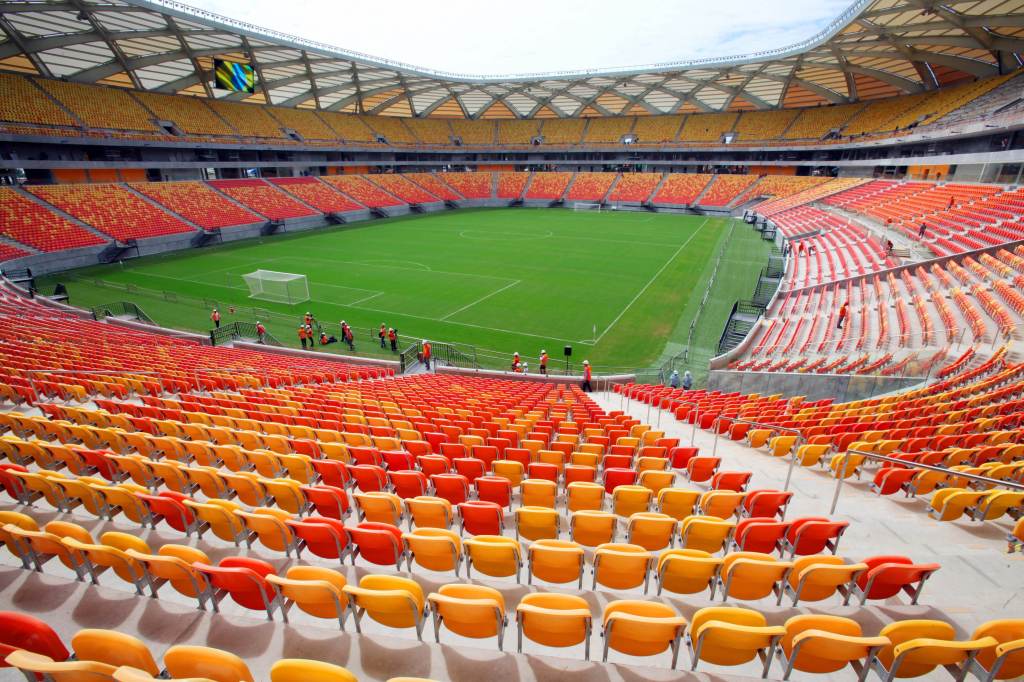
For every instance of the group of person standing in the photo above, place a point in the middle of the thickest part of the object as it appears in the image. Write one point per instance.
(388, 335)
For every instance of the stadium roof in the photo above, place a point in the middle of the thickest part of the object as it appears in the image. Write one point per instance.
(876, 48)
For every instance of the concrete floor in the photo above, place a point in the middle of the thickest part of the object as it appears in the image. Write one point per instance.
(979, 581)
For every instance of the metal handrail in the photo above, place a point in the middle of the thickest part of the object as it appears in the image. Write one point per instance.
(800, 440)
(913, 465)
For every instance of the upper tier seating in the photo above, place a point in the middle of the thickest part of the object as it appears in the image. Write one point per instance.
(590, 186)
(473, 132)
(29, 223)
(249, 120)
(947, 99)
(430, 130)
(190, 114)
(349, 128)
(635, 187)
(517, 131)
(817, 122)
(112, 209)
(804, 196)
(320, 196)
(763, 125)
(432, 184)
(303, 121)
(707, 127)
(98, 106)
(511, 185)
(22, 102)
(562, 131)
(263, 198)
(402, 188)
(197, 203)
(607, 130)
(548, 185)
(390, 127)
(682, 188)
(878, 115)
(725, 188)
(657, 129)
(361, 190)
(780, 186)
(471, 185)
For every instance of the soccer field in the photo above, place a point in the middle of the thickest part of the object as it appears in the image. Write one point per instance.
(617, 286)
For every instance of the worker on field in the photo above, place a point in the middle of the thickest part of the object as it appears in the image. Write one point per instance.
(544, 362)
(383, 334)
(673, 380)
(586, 376)
(348, 336)
(843, 312)
(308, 319)
(425, 354)
(302, 335)
(215, 318)
(687, 380)
(515, 360)
(393, 338)
(261, 332)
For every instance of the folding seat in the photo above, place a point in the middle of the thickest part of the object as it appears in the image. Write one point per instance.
(887, 576)
(722, 504)
(759, 535)
(21, 522)
(244, 580)
(81, 492)
(700, 469)
(677, 502)
(650, 530)
(41, 486)
(111, 553)
(188, 661)
(469, 468)
(555, 561)
(169, 506)
(429, 512)
(536, 523)
(452, 487)
(219, 516)
(642, 628)
(512, 470)
(366, 456)
(538, 492)
(398, 460)
(813, 535)
(322, 536)
(173, 564)
(891, 479)
(815, 578)
(368, 478)
(472, 611)
(581, 495)
(542, 471)
(493, 555)
(588, 459)
(687, 571)
(1005, 661)
(480, 518)
(578, 472)
(379, 507)
(97, 654)
(41, 546)
(617, 461)
(592, 527)
(752, 575)
(495, 489)
(435, 549)
(378, 543)
(736, 481)
(549, 464)
(454, 450)
(515, 454)
(996, 503)
(208, 480)
(614, 477)
(333, 473)
(621, 566)
(19, 631)
(326, 500)
(766, 504)
(554, 620)
(917, 647)
(314, 590)
(706, 533)
(301, 670)
(680, 456)
(390, 600)
(827, 644)
(248, 487)
(926, 481)
(728, 636)
(268, 526)
(630, 499)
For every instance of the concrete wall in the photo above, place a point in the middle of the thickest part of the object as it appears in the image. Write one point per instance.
(308, 355)
(599, 382)
(841, 387)
(45, 263)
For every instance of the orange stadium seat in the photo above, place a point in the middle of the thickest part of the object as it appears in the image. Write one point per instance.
(26, 221)
(198, 203)
(317, 194)
(112, 209)
(263, 198)
(362, 190)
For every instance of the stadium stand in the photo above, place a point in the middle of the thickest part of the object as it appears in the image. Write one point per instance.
(190, 114)
(27, 222)
(548, 185)
(361, 190)
(433, 185)
(348, 128)
(470, 185)
(517, 132)
(392, 128)
(473, 132)
(706, 127)
(511, 185)
(306, 123)
(248, 119)
(430, 130)
(879, 116)
(726, 188)
(197, 203)
(608, 129)
(635, 187)
(99, 107)
(263, 198)
(764, 125)
(401, 188)
(657, 129)
(9, 252)
(562, 130)
(111, 209)
(781, 186)
(317, 194)
(22, 102)
(832, 186)
(590, 186)
(817, 122)
(682, 188)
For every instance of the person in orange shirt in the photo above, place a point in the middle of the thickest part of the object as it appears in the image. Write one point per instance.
(544, 362)
(843, 312)
(261, 332)
(383, 334)
(393, 338)
(586, 376)
(215, 318)
(425, 353)
(515, 360)
(302, 335)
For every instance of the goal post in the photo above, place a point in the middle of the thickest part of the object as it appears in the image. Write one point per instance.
(279, 287)
(587, 206)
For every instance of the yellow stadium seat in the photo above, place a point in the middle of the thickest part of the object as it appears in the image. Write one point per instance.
(642, 628)
(301, 670)
(472, 611)
(555, 561)
(728, 636)
(435, 549)
(493, 555)
(621, 566)
(390, 600)
(555, 620)
(318, 591)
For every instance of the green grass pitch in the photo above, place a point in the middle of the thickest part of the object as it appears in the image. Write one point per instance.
(620, 287)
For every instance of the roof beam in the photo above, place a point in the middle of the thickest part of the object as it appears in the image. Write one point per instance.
(119, 56)
(16, 38)
(196, 67)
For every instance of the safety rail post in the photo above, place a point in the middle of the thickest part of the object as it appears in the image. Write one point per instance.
(785, 429)
(874, 456)
(117, 372)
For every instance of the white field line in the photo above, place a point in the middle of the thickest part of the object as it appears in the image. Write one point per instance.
(363, 300)
(651, 280)
(392, 267)
(482, 299)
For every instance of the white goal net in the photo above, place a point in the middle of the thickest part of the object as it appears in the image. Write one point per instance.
(586, 206)
(280, 287)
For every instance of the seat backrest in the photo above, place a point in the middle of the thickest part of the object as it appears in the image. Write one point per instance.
(21, 631)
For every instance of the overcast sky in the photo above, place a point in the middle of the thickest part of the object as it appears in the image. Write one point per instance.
(524, 36)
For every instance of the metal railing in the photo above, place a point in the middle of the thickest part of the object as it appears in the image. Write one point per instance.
(119, 308)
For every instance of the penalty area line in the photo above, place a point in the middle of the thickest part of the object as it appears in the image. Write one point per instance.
(482, 299)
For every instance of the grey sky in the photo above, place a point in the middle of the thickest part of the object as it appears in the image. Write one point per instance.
(523, 36)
